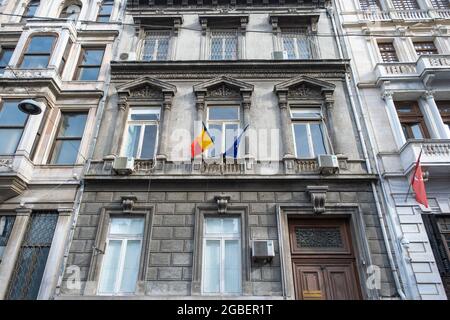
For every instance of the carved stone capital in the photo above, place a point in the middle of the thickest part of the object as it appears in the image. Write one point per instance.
(429, 94)
(128, 203)
(318, 196)
(387, 95)
(222, 203)
(123, 101)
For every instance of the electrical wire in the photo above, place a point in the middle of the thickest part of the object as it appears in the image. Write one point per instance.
(159, 27)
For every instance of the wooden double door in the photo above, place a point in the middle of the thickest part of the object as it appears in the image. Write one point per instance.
(323, 260)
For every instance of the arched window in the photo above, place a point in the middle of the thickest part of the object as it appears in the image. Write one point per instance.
(71, 10)
(31, 9)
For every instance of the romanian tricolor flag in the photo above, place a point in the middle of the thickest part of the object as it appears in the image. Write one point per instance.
(202, 142)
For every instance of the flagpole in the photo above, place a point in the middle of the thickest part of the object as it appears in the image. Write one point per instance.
(415, 170)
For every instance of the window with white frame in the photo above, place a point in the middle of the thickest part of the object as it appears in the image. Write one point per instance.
(30, 10)
(309, 132)
(298, 43)
(12, 124)
(120, 266)
(6, 225)
(156, 46)
(38, 52)
(141, 135)
(224, 45)
(222, 256)
(223, 126)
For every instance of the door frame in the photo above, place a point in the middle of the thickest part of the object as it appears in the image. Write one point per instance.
(357, 234)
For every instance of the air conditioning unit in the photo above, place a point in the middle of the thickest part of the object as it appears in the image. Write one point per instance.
(123, 165)
(263, 250)
(328, 164)
(280, 55)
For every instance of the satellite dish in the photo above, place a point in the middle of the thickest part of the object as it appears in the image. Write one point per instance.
(73, 11)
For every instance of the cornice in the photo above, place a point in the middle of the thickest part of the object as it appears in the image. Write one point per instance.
(243, 69)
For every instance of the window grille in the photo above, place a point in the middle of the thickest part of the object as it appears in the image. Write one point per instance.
(30, 265)
(156, 46)
(224, 45)
(298, 43)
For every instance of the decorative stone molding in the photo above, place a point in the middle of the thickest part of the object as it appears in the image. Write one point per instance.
(318, 196)
(220, 20)
(159, 19)
(128, 203)
(222, 203)
(304, 87)
(65, 211)
(294, 19)
(223, 88)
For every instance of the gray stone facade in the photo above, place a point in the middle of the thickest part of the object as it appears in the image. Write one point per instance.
(169, 263)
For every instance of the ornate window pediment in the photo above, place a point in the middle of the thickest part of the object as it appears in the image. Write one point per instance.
(304, 87)
(147, 88)
(223, 87)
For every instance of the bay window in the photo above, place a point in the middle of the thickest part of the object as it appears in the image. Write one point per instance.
(5, 55)
(6, 225)
(120, 267)
(89, 64)
(38, 52)
(12, 124)
(156, 46)
(224, 45)
(309, 132)
(68, 139)
(142, 132)
(223, 126)
(222, 256)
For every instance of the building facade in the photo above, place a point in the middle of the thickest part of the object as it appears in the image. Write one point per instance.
(56, 53)
(399, 52)
(156, 221)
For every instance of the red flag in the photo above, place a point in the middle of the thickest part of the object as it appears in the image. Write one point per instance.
(418, 185)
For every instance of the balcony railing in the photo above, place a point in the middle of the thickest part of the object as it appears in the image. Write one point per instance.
(395, 69)
(435, 154)
(407, 15)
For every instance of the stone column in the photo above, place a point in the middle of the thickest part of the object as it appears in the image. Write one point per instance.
(435, 117)
(287, 138)
(120, 121)
(55, 255)
(164, 135)
(12, 249)
(198, 125)
(246, 104)
(393, 119)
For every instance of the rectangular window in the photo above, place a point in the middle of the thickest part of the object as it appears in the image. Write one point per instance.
(309, 132)
(411, 119)
(65, 57)
(6, 225)
(369, 5)
(30, 10)
(425, 47)
(105, 11)
(224, 45)
(5, 56)
(387, 51)
(156, 46)
(440, 4)
(142, 132)
(222, 256)
(444, 110)
(297, 43)
(405, 5)
(68, 140)
(12, 124)
(89, 64)
(38, 52)
(223, 126)
(30, 265)
(120, 267)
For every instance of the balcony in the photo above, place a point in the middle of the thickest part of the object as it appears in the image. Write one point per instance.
(436, 64)
(435, 156)
(403, 15)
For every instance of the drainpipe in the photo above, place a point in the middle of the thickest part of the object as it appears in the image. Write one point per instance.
(281, 249)
(393, 267)
(79, 196)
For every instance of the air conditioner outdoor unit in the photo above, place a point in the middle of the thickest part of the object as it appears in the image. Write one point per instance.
(263, 250)
(328, 164)
(280, 55)
(123, 165)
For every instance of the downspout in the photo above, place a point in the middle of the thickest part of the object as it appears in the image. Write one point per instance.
(79, 196)
(281, 248)
(339, 38)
